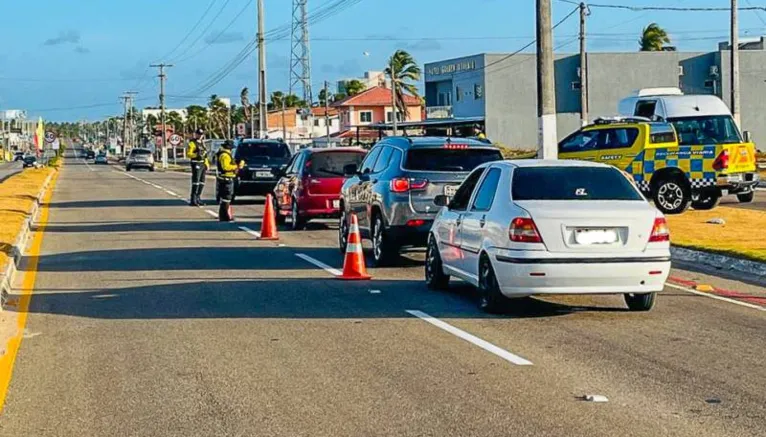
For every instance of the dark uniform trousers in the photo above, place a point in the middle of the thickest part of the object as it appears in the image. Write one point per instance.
(198, 170)
(225, 190)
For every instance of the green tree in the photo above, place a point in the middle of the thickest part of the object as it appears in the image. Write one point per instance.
(244, 99)
(293, 101)
(354, 87)
(277, 97)
(339, 96)
(653, 38)
(196, 116)
(174, 119)
(151, 122)
(405, 72)
(218, 113)
(323, 96)
(238, 114)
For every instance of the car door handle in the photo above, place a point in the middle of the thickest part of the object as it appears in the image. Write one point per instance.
(483, 221)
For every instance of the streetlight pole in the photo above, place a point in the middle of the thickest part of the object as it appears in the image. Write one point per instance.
(735, 62)
(263, 116)
(546, 88)
(583, 68)
(162, 77)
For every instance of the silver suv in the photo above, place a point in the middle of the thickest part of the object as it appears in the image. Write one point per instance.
(392, 192)
(140, 158)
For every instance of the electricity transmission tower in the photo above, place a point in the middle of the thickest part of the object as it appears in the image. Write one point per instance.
(300, 55)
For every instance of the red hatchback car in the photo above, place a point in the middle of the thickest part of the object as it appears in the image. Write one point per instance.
(310, 185)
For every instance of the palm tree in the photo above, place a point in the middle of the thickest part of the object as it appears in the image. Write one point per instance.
(276, 99)
(244, 98)
(218, 116)
(355, 86)
(196, 116)
(174, 119)
(405, 71)
(293, 101)
(653, 38)
(151, 122)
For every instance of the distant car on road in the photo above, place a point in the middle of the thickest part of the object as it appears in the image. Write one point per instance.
(533, 227)
(140, 158)
(29, 161)
(310, 185)
(392, 193)
(264, 162)
(101, 159)
(90, 154)
(18, 156)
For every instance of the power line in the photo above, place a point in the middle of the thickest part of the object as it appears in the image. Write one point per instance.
(227, 27)
(191, 30)
(203, 32)
(668, 8)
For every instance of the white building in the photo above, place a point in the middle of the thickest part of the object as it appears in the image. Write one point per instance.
(370, 79)
(156, 113)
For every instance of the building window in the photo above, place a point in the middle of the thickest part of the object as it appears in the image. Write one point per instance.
(458, 92)
(365, 116)
(389, 119)
(316, 122)
(478, 91)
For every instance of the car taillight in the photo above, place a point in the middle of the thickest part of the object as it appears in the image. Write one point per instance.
(523, 230)
(660, 231)
(455, 146)
(402, 185)
(721, 161)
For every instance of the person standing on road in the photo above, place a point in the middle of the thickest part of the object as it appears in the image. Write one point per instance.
(197, 153)
(227, 171)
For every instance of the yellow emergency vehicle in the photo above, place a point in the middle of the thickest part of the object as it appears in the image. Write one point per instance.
(674, 176)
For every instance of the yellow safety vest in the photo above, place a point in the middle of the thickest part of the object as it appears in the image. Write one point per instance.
(227, 168)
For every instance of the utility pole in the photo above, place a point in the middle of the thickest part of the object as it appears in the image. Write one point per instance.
(735, 62)
(546, 88)
(393, 96)
(162, 77)
(327, 113)
(583, 68)
(125, 98)
(284, 125)
(263, 111)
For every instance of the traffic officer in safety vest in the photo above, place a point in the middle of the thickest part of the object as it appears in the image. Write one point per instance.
(227, 171)
(197, 153)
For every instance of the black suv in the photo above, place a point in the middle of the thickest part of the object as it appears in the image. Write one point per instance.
(393, 191)
(264, 162)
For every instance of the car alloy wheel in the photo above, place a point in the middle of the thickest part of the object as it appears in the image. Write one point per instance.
(670, 195)
(342, 231)
(491, 300)
(378, 241)
(435, 277)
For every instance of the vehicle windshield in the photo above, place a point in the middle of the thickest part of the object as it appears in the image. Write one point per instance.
(262, 150)
(572, 183)
(709, 129)
(138, 152)
(441, 159)
(330, 164)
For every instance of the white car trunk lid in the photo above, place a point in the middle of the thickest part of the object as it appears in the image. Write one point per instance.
(607, 226)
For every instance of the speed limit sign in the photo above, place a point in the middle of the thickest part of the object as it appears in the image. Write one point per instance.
(50, 136)
(175, 139)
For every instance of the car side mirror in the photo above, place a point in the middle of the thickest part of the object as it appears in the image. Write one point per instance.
(748, 136)
(441, 200)
(350, 170)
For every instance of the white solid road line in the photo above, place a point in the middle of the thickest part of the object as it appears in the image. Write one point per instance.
(716, 297)
(320, 264)
(214, 214)
(171, 193)
(255, 234)
(487, 346)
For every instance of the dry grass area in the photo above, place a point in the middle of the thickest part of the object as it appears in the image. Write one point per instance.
(17, 196)
(743, 235)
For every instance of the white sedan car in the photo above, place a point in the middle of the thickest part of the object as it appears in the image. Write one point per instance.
(533, 227)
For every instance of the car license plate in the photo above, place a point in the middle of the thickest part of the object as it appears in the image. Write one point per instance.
(587, 237)
(450, 190)
(263, 174)
(336, 204)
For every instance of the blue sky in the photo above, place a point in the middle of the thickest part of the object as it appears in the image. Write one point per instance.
(70, 54)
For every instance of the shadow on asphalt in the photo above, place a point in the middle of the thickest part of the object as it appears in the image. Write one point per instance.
(117, 203)
(202, 225)
(286, 298)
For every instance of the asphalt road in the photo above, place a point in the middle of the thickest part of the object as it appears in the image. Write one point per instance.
(8, 169)
(150, 318)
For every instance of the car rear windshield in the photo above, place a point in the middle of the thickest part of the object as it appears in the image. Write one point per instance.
(571, 183)
(138, 152)
(709, 129)
(263, 150)
(441, 159)
(330, 164)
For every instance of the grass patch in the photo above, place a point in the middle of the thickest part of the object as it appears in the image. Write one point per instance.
(17, 197)
(742, 235)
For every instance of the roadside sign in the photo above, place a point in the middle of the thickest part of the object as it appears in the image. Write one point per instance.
(241, 127)
(50, 136)
(55, 144)
(175, 139)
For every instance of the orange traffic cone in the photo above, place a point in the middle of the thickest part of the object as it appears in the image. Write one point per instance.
(269, 223)
(353, 263)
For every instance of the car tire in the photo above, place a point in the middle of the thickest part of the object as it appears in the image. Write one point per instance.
(434, 270)
(297, 221)
(151, 168)
(706, 201)
(491, 299)
(746, 197)
(279, 218)
(127, 168)
(640, 301)
(342, 230)
(671, 196)
(383, 249)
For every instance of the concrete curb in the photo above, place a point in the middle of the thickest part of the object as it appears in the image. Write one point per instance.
(718, 261)
(8, 273)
